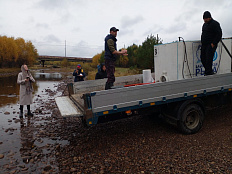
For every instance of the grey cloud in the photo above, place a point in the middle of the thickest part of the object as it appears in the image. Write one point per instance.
(125, 31)
(65, 18)
(59, 4)
(128, 22)
(154, 30)
(206, 3)
(51, 38)
(30, 19)
(51, 4)
(84, 49)
(188, 14)
(51, 50)
(179, 26)
(42, 25)
(76, 29)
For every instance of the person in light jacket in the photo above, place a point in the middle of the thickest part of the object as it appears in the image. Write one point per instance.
(25, 80)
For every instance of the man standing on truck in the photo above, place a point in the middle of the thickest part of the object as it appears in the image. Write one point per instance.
(111, 55)
(211, 35)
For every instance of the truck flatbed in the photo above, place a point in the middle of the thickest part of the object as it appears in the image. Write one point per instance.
(95, 104)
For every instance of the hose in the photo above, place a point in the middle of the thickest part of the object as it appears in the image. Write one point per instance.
(185, 59)
(219, 59)
(226, 49)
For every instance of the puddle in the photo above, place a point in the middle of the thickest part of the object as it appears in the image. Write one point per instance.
(47, 76)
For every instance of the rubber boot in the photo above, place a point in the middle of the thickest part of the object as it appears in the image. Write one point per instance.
(21, 111)
(21, 114)
(111, 85)
(29, 114)
(108, 86)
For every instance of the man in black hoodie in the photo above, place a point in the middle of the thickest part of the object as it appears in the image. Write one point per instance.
(110, 56)
(211, 35)
(101, 74)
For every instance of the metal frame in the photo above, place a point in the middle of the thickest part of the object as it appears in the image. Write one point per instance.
(122, 99)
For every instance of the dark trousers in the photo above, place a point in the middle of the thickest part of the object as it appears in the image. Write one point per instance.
(110, 70)
(207, 54)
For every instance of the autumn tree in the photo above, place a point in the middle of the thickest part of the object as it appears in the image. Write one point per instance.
(8, 51)
(102, 59)
(123, 61)
(15, 52)
(145, 53)
(64, 63)
(132, 55)
(96, 60)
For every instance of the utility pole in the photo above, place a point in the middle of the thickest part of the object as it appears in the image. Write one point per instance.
(65, 49)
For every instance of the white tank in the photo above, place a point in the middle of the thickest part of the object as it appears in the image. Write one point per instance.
(171, 63)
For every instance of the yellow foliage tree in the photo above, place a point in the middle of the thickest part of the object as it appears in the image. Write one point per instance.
(123, 60)
(8, 51)
(64, 63)
(96, 60)
(15, 52)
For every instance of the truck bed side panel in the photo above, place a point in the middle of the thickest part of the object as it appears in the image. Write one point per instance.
(138, 95)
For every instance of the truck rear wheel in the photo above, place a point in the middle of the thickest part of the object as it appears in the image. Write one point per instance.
(190, 118)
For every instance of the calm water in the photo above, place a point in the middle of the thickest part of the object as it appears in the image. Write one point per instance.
(9, 89)
(9, 94)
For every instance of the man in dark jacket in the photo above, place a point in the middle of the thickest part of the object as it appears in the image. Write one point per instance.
(110, 56)
(211, 35)
(101, 74)
(79, 74)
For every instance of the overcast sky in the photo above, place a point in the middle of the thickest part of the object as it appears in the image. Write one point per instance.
(85, 23)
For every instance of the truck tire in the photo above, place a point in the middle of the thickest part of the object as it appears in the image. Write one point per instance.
(190, 118)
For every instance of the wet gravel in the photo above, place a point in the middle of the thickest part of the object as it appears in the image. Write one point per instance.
(140, 144)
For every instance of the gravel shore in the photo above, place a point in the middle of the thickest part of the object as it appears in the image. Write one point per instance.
(140, 144)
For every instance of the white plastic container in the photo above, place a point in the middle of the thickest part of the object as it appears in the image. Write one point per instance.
(147, 78)
(171, 63)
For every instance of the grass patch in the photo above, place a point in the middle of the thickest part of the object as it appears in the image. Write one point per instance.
(9, 70)
(87, 67)
(118, 72)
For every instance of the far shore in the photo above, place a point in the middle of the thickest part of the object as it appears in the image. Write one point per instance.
(4, 72)
(91, 72)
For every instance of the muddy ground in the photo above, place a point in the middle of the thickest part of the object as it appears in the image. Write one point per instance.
(140, 144)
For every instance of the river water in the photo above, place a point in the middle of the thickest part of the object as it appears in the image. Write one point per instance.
(17, 135)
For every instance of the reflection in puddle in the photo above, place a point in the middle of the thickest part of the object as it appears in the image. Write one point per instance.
(9, 89)
(41, 75)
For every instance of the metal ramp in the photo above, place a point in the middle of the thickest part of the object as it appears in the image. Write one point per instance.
(67, 108)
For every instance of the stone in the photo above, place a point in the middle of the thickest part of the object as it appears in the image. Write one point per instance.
(73, 170)
(1, 156)
(13, 171)
(24, 169)
(47, 168)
